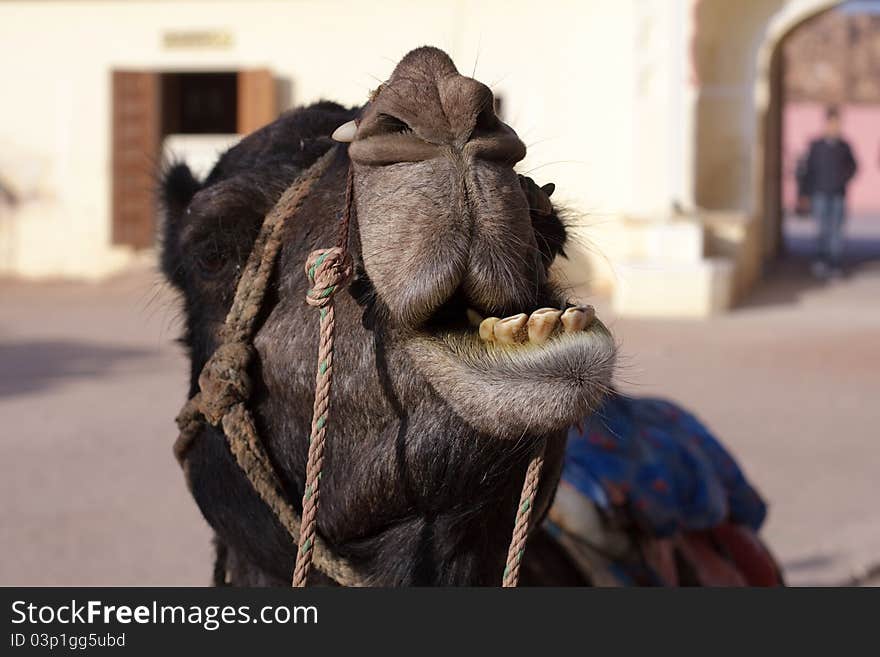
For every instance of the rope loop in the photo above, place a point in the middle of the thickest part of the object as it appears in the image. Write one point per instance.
(328, 271)
(224, 381)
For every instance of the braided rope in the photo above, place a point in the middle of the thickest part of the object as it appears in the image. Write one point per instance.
(328, 270)
(225, 387)
(523, 516)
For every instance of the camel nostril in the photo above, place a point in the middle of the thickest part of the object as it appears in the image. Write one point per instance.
(487, 122)
(384, 138)
(386, 124)
(490, 138)
(497, 143)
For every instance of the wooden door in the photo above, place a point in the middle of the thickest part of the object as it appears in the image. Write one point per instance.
(257, 100)
(135, 156)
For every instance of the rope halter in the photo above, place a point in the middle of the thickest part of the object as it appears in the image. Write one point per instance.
(225, 387)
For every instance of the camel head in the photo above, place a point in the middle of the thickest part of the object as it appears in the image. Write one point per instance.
(455, 349)
(448, 238)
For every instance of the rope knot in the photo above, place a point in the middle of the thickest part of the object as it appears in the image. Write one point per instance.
(224, 381)
(328, 271)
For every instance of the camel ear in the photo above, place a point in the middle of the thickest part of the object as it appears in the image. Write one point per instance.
(548, 189)
(179, 185)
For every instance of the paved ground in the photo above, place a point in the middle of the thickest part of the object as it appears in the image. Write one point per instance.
(90, 380)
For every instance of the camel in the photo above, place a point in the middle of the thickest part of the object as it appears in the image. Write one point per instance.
(456, 351)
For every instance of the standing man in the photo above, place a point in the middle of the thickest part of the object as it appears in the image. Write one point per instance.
(830, 166)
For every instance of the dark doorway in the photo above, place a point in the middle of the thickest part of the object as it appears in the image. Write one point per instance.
(147, 106)
(199, 103)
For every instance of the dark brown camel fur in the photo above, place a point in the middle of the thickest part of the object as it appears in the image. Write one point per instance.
(431, 426)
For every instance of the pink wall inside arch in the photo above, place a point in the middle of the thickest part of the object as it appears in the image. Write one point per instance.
(802, 122)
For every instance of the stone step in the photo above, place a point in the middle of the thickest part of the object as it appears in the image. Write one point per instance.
(654, 288)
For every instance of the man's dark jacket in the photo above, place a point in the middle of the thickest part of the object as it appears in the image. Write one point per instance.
(830, 165)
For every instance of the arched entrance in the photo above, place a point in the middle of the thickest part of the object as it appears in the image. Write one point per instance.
(737, 98)
(769, 103)
(832, 59)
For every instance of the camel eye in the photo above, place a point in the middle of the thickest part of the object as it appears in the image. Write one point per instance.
(210, 260)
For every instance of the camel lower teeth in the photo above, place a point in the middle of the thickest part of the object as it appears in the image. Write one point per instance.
(542, 323)
(536, 328)
(510, 330)
(578, 318)
(487, 329)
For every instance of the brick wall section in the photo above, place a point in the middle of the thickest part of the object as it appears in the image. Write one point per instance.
(834, 58)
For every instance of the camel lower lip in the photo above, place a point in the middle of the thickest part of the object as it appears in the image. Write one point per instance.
(508, 389)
